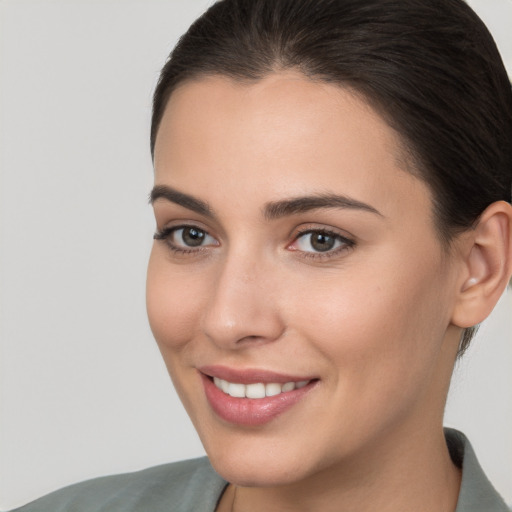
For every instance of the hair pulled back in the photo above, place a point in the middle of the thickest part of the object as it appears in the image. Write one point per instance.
(430, 68)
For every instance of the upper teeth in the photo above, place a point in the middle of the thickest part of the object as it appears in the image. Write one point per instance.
(258, 390)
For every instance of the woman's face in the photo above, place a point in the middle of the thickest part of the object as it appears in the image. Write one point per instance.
(294, 247)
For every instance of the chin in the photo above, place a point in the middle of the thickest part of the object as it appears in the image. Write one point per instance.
(260, 462)
(267, 472)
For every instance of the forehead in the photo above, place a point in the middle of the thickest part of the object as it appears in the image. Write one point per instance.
(281, 105)
(286, 134)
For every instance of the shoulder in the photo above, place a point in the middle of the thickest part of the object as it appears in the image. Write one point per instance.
(181, 486)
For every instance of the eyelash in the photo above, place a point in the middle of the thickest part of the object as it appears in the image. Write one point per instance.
(347, 243)
(165, 235)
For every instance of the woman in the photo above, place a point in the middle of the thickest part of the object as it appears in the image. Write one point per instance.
(332, 197)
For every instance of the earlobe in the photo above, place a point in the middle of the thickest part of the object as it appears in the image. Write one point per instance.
(487, 265)
(472, 281)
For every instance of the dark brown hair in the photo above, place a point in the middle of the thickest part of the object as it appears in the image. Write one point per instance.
(430, 68)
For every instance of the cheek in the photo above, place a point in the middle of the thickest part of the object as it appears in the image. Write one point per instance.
(373, 340)
(173, 300)
(372, 325)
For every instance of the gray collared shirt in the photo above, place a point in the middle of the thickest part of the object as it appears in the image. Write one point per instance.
(193, 486)
(476, 491)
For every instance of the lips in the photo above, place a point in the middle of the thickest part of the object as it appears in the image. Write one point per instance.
(252, 397)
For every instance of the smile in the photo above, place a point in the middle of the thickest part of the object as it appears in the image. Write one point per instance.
(257, 390)
(252, 398)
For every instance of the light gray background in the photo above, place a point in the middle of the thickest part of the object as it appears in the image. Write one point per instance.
(83, 390)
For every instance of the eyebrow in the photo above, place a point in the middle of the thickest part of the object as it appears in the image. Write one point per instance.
(272, 210)
(181, 199)
(294, 206)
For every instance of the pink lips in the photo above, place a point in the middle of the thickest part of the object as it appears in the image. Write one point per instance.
(247, 411)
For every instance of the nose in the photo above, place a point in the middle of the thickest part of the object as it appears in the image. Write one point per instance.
(243, 307)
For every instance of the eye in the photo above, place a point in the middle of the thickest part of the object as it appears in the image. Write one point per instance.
(191, 237)
(181, 238)
(320, 241)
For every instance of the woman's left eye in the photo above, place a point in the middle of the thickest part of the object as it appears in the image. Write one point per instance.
(320, 241)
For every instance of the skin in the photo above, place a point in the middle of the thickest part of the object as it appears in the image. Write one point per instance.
(373, 321)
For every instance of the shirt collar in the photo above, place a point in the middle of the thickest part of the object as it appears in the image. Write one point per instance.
(476, 492)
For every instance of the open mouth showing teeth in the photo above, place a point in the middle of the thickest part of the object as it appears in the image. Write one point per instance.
(257, 390)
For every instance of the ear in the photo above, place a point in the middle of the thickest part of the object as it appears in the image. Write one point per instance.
(487, 265)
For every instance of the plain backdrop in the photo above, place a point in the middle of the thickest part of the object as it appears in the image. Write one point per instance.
(83, 391)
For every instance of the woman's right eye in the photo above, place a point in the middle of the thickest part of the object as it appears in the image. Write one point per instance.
(185, 238)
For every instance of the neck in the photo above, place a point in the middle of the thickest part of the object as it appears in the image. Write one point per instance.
(417, 474)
